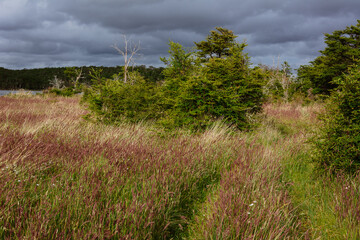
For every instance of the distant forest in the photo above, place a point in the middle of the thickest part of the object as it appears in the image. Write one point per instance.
(39, 79)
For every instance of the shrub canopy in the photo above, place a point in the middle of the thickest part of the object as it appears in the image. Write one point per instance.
(341, 52)
(338, 146)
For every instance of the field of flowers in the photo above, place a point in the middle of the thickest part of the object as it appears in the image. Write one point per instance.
(63, 177)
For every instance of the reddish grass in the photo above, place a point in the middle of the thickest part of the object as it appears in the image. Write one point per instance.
(251, 202)
(65, 180)
(348, 200)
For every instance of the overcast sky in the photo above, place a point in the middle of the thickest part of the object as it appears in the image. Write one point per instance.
(56, 33)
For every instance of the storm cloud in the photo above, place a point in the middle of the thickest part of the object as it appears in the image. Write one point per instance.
(50, 33)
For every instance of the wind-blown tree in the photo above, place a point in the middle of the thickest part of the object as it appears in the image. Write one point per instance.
(180, 62)
(217, 44)
(341, 52)
(226, 89)
(222, 87)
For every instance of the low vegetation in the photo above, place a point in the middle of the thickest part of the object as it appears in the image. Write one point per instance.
(65, 177)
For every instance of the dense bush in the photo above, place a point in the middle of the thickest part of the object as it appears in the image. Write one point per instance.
(342, 50)
(112, 100)
(338, 146)
(225, 88)
(215, 82)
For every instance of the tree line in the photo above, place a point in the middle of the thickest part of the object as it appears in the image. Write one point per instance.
(41, 78)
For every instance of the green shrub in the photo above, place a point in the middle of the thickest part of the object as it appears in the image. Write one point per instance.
(113, 100)
(225, 89)
(180, 67)
(338, 146)
(65, 92)
(342, 51)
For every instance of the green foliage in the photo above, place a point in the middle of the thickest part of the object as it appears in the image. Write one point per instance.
(281, 85)
(224, 88)
(180, 62)
(31, 79)
(40, 79)
(113, 100)
(338, 146)
(196, 91)
(97, 77)
(342, 51)
(65, 92)
(180, 66)
(71, 74)
(217, 44)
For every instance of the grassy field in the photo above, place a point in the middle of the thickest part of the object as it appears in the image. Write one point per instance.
(62, 177)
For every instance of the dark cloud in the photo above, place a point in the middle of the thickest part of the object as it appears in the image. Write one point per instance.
(147, 16)
(41, 33)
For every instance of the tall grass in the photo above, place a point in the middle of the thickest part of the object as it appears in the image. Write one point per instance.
(328, 205)
(252, 200)
(62, 177)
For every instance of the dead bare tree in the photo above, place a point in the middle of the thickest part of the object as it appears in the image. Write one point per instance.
(129, 53)
(78, 76)
(56, 82)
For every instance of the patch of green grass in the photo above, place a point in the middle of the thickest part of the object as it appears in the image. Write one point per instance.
(319, 197)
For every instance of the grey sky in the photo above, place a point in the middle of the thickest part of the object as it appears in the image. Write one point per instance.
(54, 33)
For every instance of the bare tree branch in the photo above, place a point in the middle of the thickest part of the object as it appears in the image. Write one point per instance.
(79, 76)
(56, 82)
(129, 53)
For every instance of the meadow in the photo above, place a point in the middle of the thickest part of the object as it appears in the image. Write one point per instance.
(64, 177)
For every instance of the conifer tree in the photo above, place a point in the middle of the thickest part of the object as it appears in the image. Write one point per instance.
(217, 44)
(341, 52)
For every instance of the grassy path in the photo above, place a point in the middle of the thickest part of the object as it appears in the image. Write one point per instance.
(328, 206)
